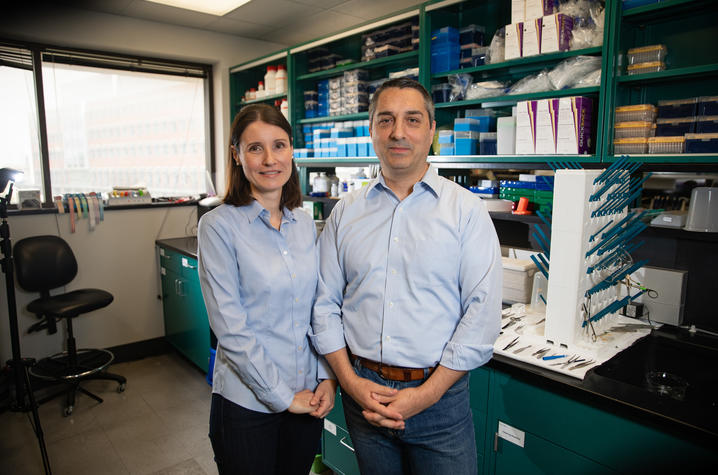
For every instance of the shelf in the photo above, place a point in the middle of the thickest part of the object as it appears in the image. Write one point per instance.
(264, 99)
(703, 70)
(336, 162)
(514, 98)
(664, 8)
(374, 63)
(334, 118)
(538, 59)
(679, 159)
(525, 218)
(476, 161)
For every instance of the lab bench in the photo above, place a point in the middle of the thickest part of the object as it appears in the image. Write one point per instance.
(531, 420)
(185, 315)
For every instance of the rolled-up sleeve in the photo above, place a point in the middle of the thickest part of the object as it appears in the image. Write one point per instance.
(480, 287)
(219, 279)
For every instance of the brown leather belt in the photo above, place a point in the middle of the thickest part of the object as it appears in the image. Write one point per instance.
(393, 373)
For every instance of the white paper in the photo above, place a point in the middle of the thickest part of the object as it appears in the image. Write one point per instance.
(512, 434)
(330, 427)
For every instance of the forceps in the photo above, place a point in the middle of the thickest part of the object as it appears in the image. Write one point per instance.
(513, 342)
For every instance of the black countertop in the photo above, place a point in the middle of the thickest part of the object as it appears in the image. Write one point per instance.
(619, 384)
(184, 245)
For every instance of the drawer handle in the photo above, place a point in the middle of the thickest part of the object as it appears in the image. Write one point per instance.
(185, 263)
(341, 441)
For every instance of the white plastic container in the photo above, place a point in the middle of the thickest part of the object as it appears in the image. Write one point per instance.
(270, 79)
(321, 184)
(260, 90)
(280, 80)
(284, 108)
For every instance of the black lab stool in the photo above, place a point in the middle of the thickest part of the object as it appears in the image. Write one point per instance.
(44, 263)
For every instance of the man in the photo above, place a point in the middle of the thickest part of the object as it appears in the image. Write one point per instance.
(409, 299)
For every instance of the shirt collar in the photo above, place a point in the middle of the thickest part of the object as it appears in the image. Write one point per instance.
(253, 210)
(430, 181)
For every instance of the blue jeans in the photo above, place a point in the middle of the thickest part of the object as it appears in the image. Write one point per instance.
(439, 440)
(256, 443)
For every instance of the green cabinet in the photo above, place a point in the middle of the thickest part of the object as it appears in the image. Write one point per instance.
(185, 316)
(538, 426)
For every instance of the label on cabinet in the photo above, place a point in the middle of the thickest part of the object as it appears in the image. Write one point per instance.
(512, 434)
(330, 426)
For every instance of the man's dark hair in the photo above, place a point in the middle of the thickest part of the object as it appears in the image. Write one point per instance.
(402, 83)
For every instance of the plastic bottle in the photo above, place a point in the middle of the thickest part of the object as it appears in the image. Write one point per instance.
(321, 183)
(260, 90)
(270, 80)
(334, 185)
(280, 80)
(284, 108)
(251, 94)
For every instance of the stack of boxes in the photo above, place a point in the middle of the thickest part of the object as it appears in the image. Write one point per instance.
(445, 49)
(646, 59)
(675, 126)
(537, 189)
(320, 59)
(471, 41)
(536, 29)
(475, 134)
(355, 97)
(633, 126)
(336, 139)
(486, 188)
(392, 40)
(560, 126)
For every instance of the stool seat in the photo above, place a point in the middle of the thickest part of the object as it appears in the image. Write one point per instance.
(71, 304)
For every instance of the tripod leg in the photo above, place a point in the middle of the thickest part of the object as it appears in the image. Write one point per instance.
(36, 423)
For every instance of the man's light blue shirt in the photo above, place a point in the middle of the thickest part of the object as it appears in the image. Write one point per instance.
(410, 283)
(258, 285)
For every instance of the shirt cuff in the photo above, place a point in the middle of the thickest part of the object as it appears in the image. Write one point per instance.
(327, 341)
(324, 371)
(278, 399)
(465, 357)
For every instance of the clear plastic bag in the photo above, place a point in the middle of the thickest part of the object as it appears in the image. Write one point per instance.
(534, 83)
(459, 84)
(591, 79)
(479, 90)
(497, 48)
(568, 72)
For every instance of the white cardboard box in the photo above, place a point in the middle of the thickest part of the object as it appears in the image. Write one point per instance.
(531, 37)
(514, 40)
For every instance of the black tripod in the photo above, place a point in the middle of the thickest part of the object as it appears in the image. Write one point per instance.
(24, 396)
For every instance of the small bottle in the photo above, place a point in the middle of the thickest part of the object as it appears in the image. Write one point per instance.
(335, 190)
(321, 183)
(280, 80)
(251, 94)
(260, 90)
(284, 108)
(270, 80)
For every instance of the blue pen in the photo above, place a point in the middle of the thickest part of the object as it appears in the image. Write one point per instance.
(554, 357)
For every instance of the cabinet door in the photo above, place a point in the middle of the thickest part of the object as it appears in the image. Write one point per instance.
(172, 307)
(538, 456)
(197, 338)
(337, 447)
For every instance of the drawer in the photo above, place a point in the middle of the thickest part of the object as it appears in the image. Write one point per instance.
(337, 449)
(170, 260)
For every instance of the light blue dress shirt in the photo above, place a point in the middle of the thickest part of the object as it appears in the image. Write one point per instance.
(258, 285)
(410, 283)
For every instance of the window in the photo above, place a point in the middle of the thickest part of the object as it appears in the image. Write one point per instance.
(19, 133)
(109, 120)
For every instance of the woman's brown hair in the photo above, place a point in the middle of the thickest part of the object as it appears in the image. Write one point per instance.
(239, 190)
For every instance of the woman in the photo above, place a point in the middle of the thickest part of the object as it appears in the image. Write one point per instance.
(258, 271)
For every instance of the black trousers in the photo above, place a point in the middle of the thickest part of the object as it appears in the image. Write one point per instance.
(256, 443)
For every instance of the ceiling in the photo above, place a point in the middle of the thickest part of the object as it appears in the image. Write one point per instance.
(287, 22)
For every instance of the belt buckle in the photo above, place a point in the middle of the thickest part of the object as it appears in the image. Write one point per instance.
(381, 371)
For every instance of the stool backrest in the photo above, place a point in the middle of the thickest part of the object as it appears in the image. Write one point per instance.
(43, 263)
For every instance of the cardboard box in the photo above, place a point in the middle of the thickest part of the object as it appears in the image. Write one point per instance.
(526, 128)
(532, 37)
(575, 115)
(518, 11)
(546, 126)
(514, 40)
(556, 33)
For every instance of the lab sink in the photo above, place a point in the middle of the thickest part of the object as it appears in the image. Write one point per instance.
(669, 365)
(670, 372)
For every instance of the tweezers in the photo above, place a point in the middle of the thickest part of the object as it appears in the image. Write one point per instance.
(513, 342)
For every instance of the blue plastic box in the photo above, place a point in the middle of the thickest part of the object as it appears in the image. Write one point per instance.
(708, 105)
(445, 58)
(675, 127)
(468, 124)
(446, 34)
(362, 150)
(707, 124)
(677, 109)
(352, 150)
(446, 149)
(466, 146)
(701, 143)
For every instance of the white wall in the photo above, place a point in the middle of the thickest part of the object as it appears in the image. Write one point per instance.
(119, 255)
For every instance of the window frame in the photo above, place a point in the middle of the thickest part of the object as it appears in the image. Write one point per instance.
(45, 53)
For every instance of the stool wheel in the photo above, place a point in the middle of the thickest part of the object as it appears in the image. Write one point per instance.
(121, 388)
(67, 411)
